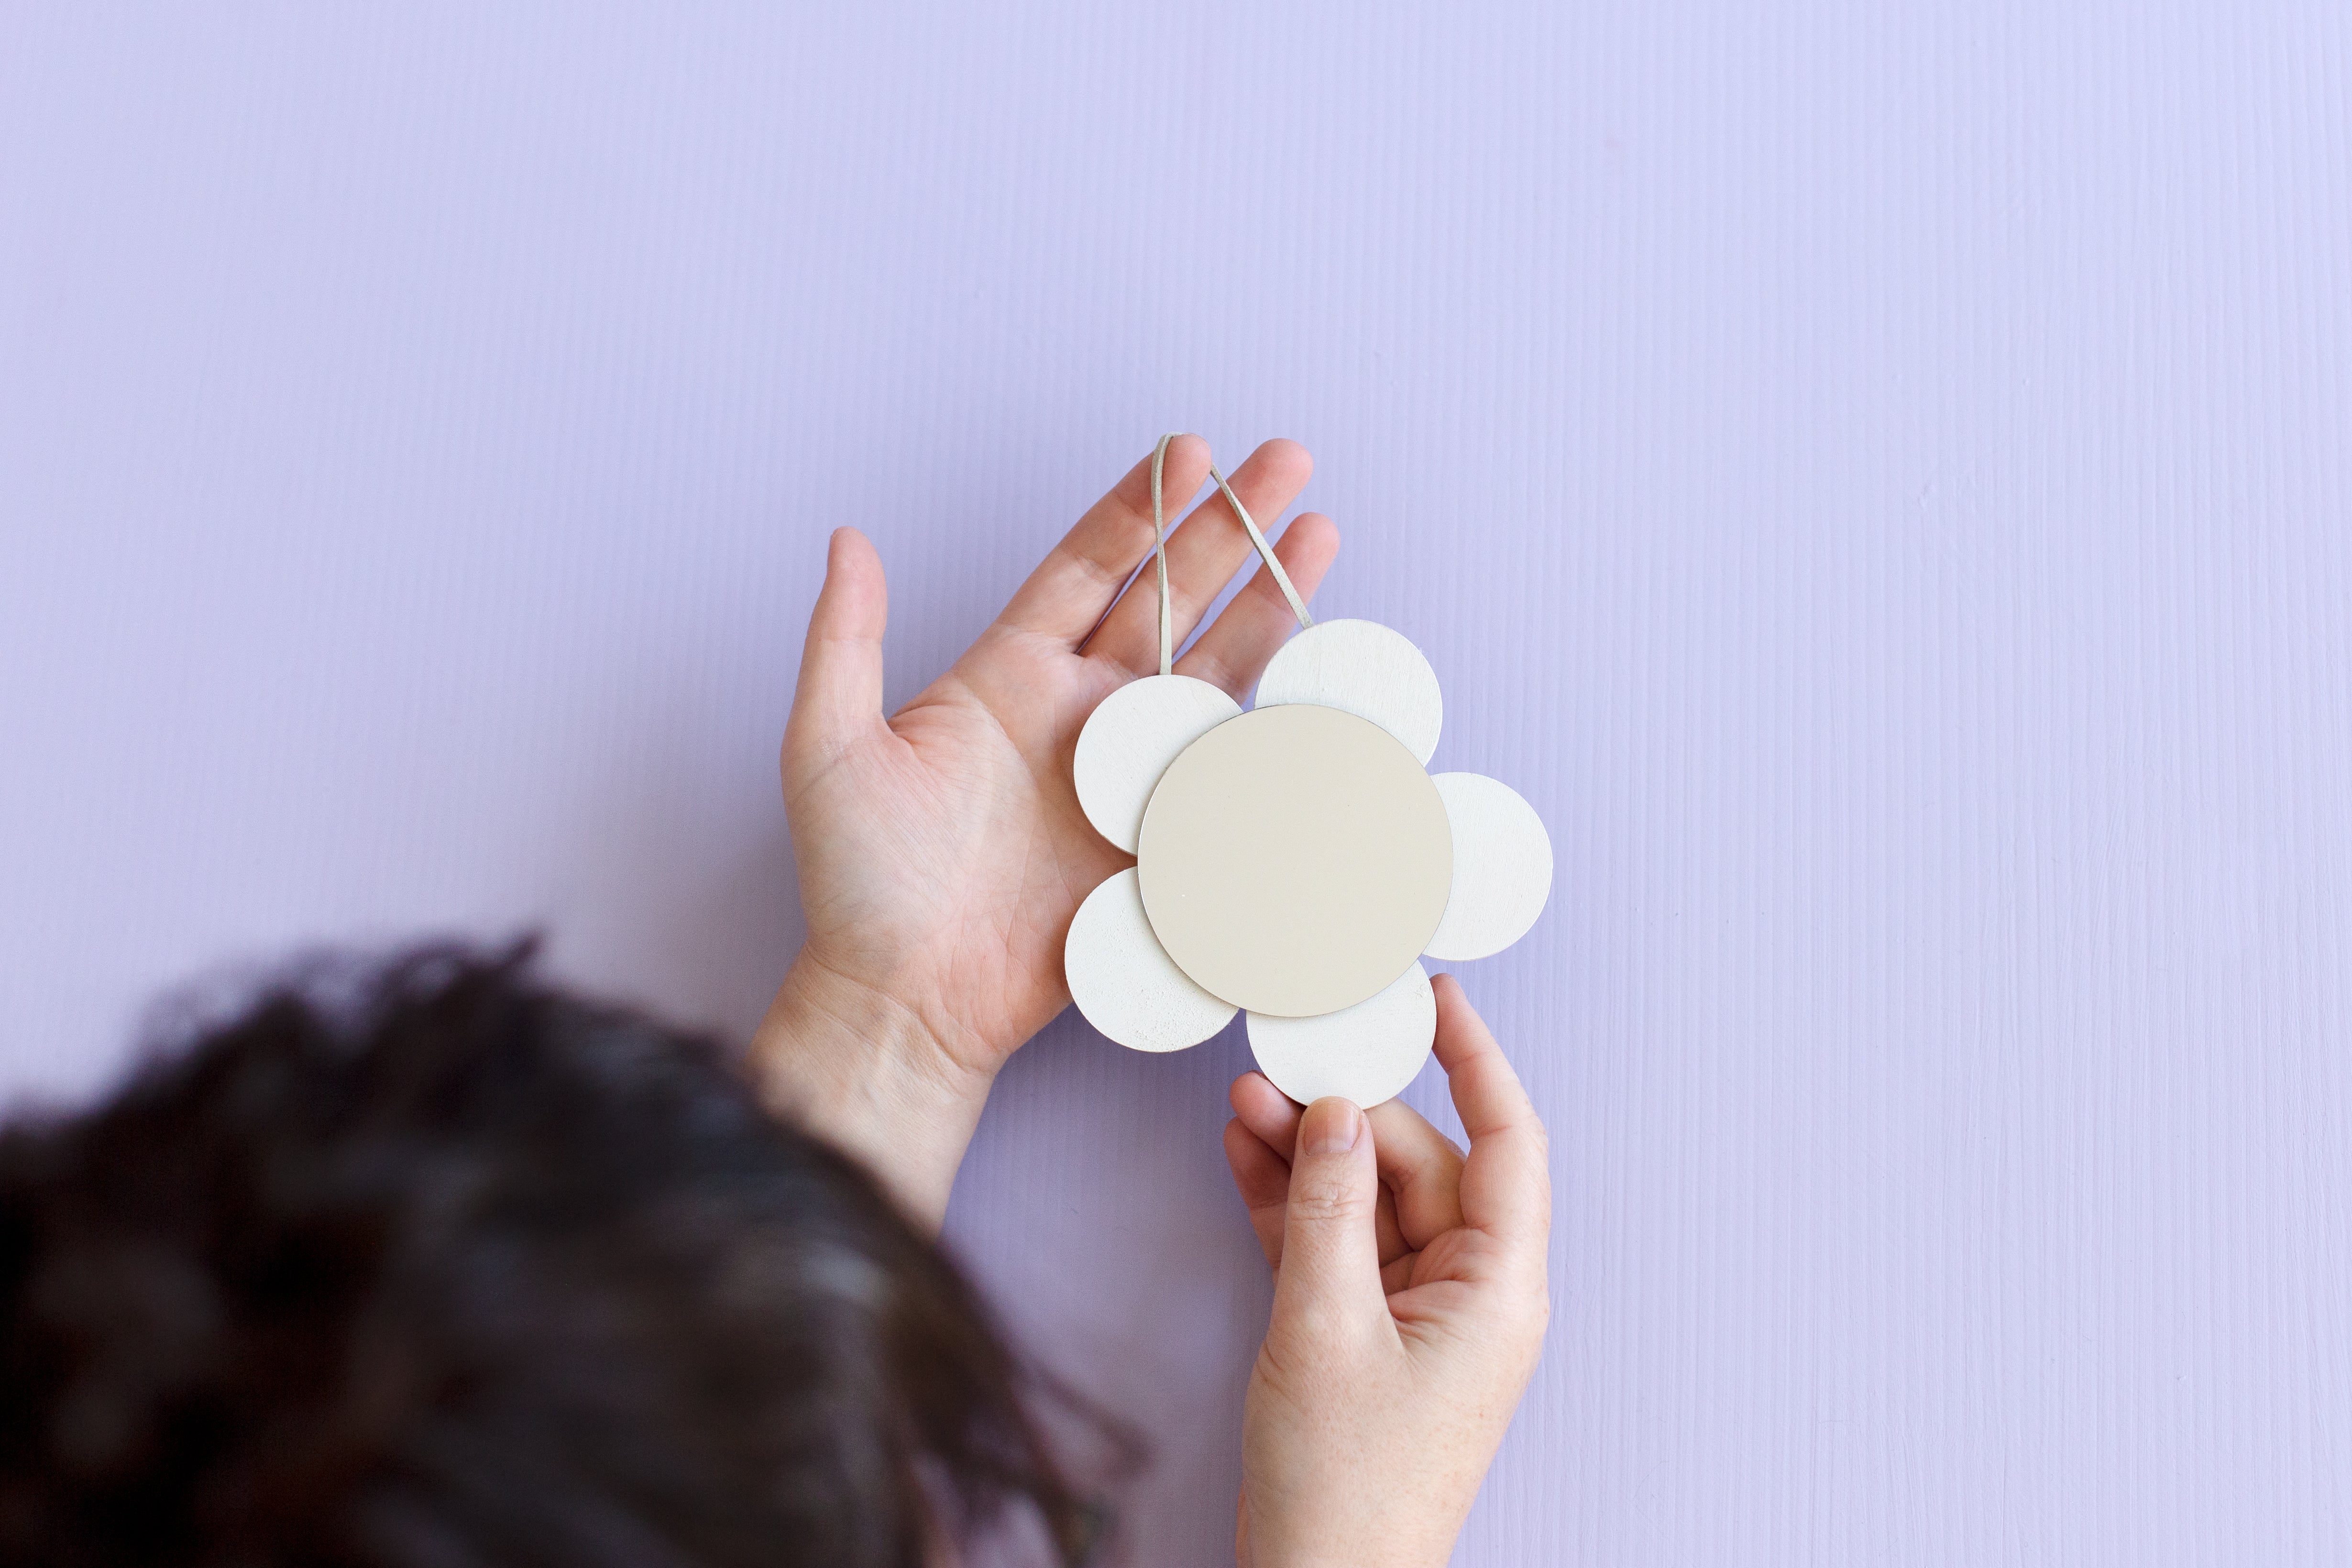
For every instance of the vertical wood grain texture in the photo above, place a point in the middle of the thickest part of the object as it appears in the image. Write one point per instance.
(1875, 477)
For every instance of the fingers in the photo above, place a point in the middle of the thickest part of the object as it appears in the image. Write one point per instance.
(1422, 1168)
(1506, 1179)
(1330, 1275)
(1267, 1111)
(1203, 556)
(1064, 598)
(1233, 651)
(1269, 1118)
(839, 699)
(1263, 1179)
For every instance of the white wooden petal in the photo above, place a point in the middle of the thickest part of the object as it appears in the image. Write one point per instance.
(1365, 1053)
(1125, 983)
(1363, 668)
(1131, 737)
(1502, 867)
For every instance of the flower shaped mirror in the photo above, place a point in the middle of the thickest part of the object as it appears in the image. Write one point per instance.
(1296, 861)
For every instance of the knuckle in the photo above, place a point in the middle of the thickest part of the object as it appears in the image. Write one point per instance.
(1324, 1200)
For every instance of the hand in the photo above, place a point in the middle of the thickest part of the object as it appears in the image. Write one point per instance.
(1408, 1308)
(942, 853)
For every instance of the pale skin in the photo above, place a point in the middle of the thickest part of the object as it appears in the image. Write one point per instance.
(941, 854)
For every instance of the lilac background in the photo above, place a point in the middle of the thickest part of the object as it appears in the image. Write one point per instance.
(1876, 476)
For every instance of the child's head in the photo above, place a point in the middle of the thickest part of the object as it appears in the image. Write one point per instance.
(437, 1265)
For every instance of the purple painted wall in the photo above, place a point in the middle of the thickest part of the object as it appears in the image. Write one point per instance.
(1879, 477)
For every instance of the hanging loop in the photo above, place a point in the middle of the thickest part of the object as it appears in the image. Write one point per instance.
(1160, 554)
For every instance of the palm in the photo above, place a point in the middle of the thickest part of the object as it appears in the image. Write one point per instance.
(942, 854)
(963, 853)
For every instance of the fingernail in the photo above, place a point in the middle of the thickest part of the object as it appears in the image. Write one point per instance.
(1330, 1127)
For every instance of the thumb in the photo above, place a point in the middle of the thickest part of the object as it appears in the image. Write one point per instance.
(839, 699)
(1331, 1273)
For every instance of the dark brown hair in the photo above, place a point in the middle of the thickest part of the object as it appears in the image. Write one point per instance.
(433, 1264)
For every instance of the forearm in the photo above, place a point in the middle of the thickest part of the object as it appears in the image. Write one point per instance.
(868, 1075)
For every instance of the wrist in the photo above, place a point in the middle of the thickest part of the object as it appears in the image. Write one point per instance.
(870, 1073)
